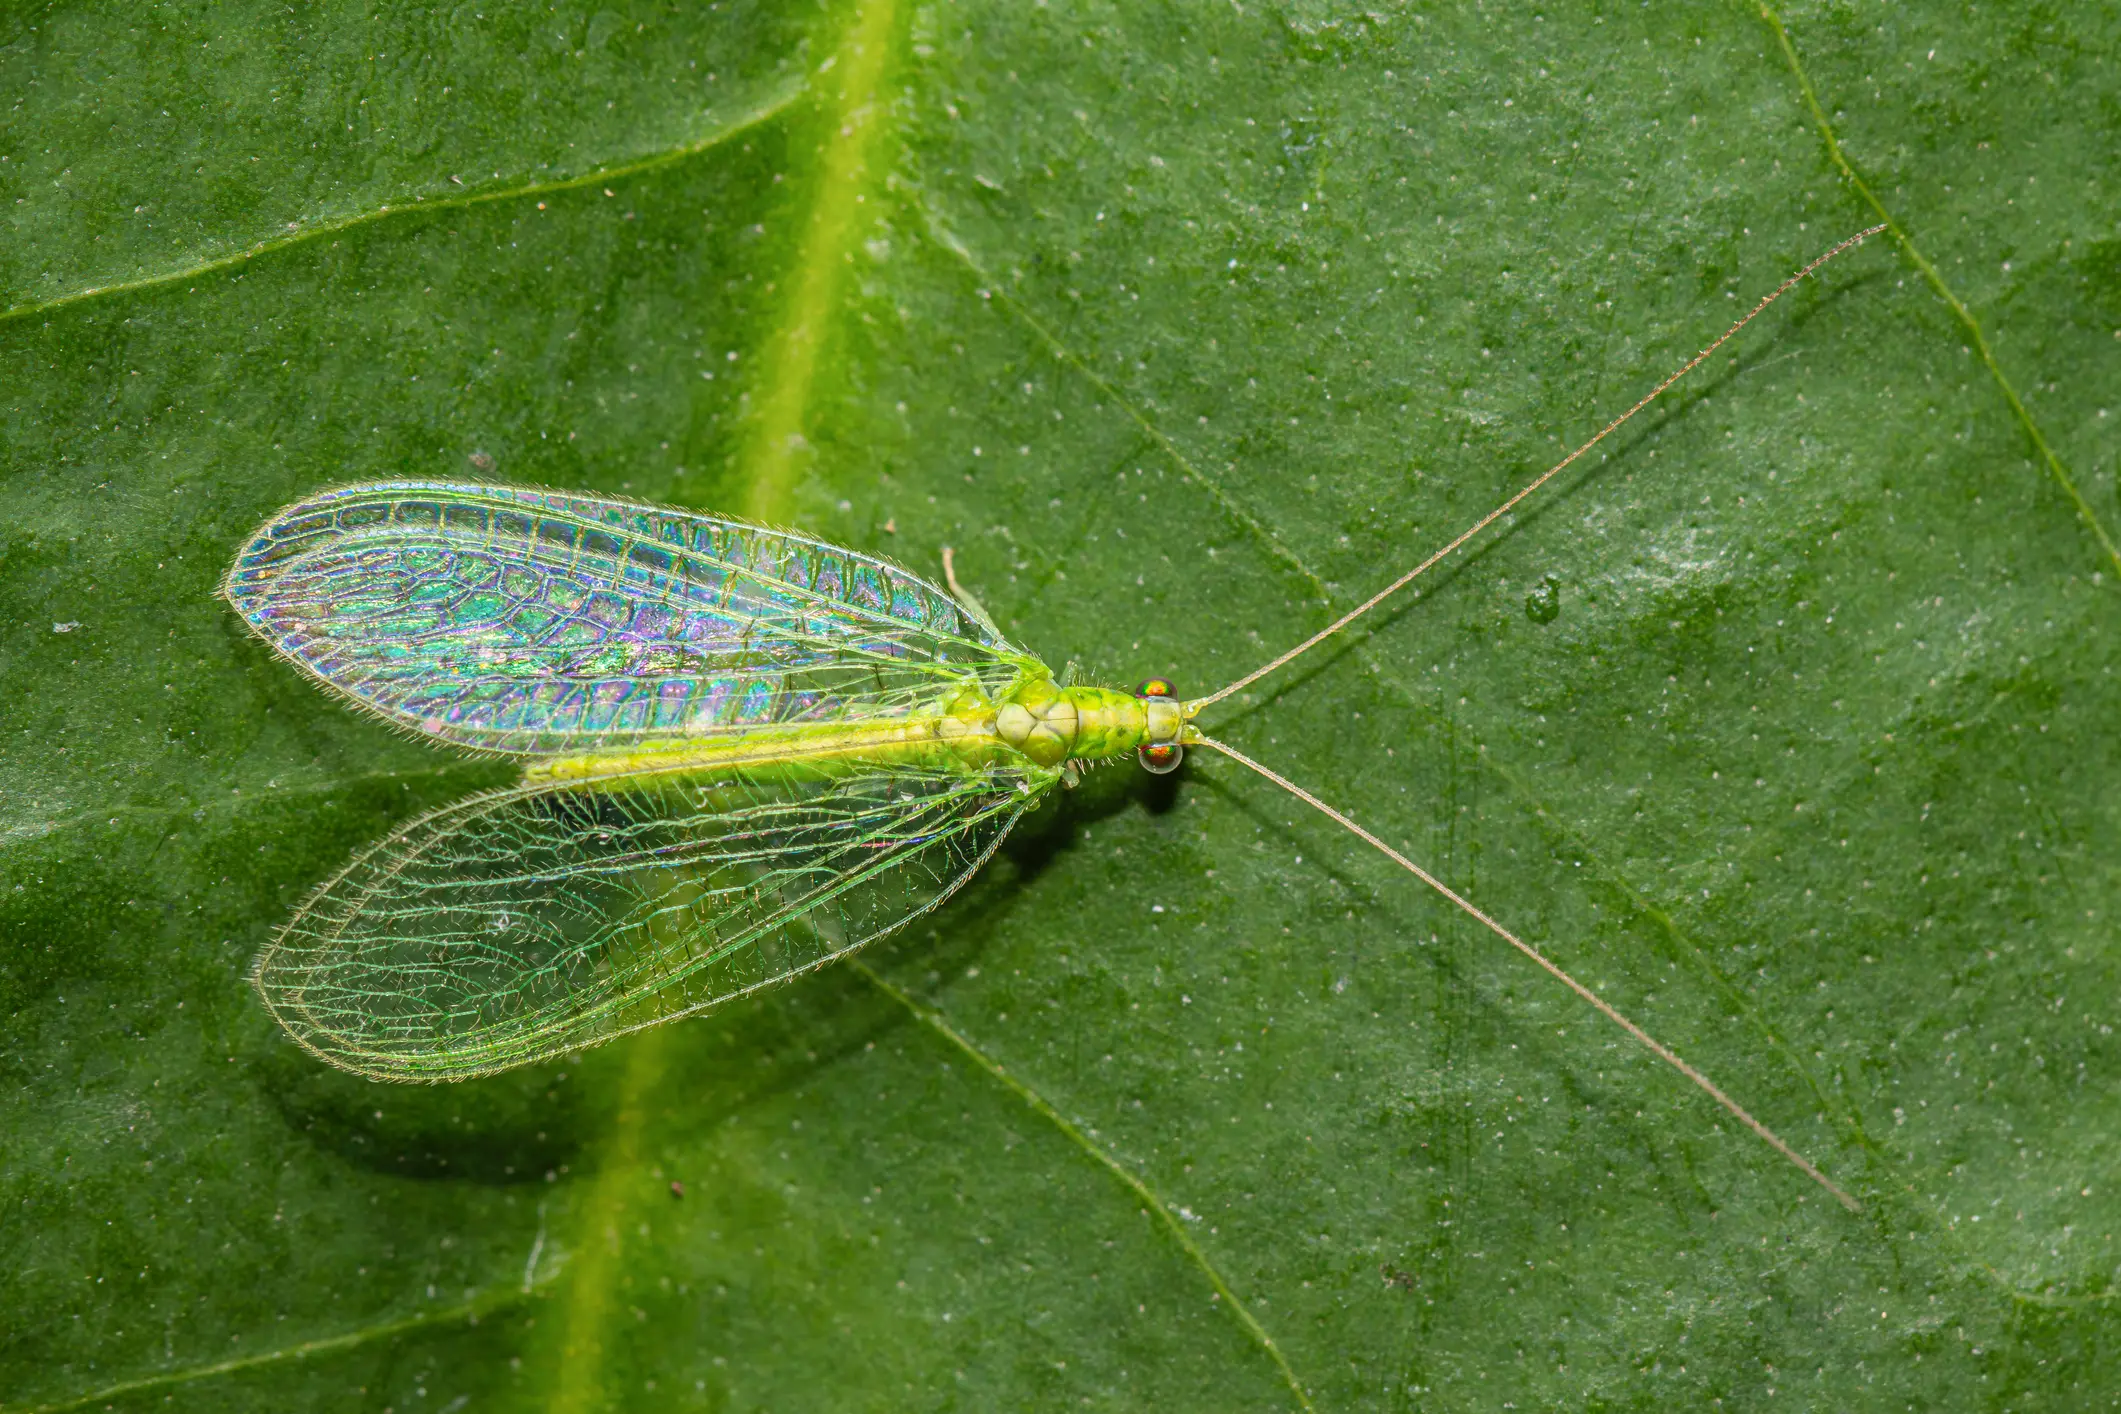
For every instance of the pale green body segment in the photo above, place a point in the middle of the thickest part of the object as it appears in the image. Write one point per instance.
(1034, 725)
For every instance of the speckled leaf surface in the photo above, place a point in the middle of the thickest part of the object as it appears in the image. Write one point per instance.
(1185, 327)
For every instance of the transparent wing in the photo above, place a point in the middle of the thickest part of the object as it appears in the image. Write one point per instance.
(510, 927)
(537, 622)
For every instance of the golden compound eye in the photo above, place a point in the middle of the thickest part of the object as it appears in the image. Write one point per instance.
(1156, 687)
(1161, 760)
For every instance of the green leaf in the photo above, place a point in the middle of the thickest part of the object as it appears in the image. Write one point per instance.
(1780, 720)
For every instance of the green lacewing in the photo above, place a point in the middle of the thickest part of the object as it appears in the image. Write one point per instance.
(745, 753)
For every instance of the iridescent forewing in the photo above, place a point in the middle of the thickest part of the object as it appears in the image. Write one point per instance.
(537, 622)
(514, 926)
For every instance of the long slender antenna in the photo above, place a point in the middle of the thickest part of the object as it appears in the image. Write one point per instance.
(1649, 1042)
(1507, 506)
